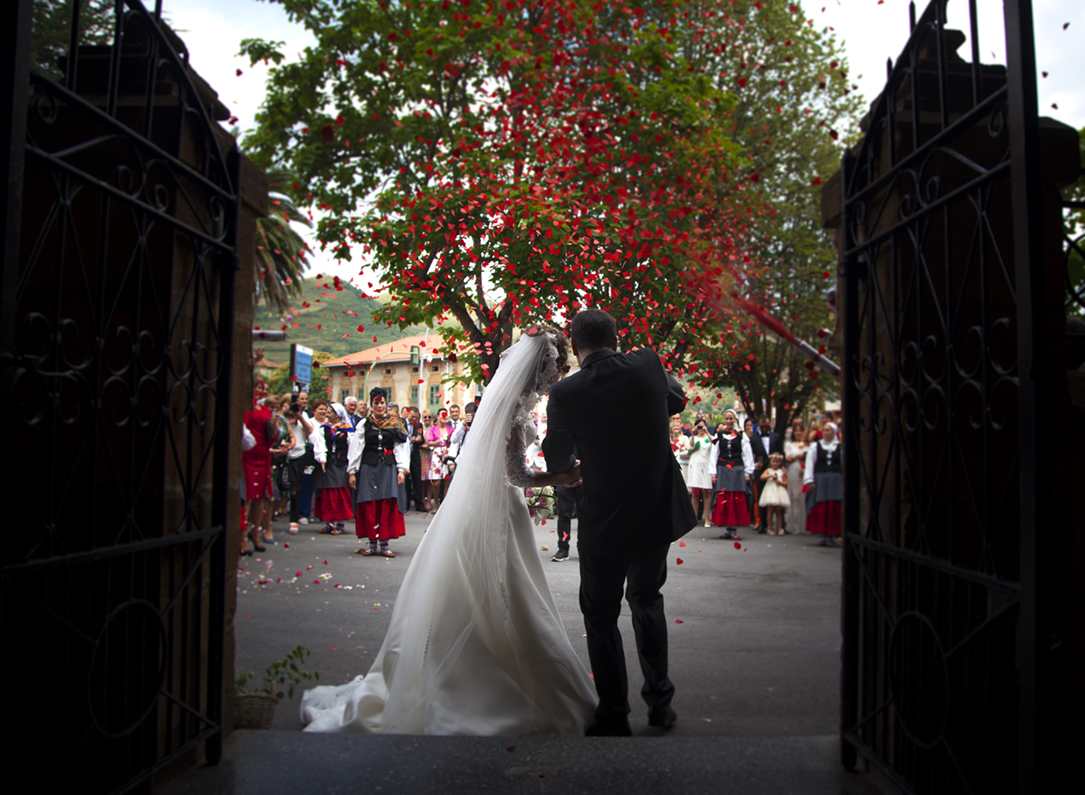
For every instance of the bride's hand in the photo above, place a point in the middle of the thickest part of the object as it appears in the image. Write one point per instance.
(572, 476)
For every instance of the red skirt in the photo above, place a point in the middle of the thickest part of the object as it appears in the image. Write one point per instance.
(333, 505)
(257, 480)
(824, 519)
(379, 520)
(731, 510)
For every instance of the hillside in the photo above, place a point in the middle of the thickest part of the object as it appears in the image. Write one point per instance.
(324, 320)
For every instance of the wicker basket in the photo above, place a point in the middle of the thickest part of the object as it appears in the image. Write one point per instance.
(254, 711)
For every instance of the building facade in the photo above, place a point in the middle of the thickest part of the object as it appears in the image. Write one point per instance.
(412, 369)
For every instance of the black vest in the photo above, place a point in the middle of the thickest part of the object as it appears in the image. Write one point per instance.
(379, 444)
(337, 448)
(731, 450)
(828, 460)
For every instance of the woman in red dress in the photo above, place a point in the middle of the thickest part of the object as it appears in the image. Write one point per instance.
(732, 461)
(331, 439)
(823, 482)
(256, 463)
(379, 463)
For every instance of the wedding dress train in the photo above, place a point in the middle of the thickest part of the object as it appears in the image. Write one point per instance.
(475, 645)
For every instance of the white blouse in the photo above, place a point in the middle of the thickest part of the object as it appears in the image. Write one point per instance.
(747, 454)
(812, 458)
(357, 446)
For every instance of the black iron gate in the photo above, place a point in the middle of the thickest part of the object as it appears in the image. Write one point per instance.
(119, 259)
(951, 334)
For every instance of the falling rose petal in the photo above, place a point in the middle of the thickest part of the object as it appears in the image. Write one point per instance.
(738, 545)
(511, 748)
(286, 546)
(679, 561)
(248, 616)
(681, 543)
(332, 648)
(297, 574)
(678, 621)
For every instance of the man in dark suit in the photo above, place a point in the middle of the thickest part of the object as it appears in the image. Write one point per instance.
(771, 442)
(414, 477)
(634, 505)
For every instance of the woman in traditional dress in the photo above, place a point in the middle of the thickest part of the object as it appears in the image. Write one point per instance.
(331, 439)
(824, 485)
(378, 465)
(732, 461)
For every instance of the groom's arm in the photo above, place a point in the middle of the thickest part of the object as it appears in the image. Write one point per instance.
(559, 443)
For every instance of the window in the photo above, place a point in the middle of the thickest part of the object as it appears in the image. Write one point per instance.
(435, 369)
(343, 395)
(414, 395)
(434, 396)
(387, 370)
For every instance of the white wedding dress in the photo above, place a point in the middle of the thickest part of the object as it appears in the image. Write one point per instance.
(475, 645)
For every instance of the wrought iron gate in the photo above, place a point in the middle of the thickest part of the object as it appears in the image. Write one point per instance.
(947, 318)
(115, 334)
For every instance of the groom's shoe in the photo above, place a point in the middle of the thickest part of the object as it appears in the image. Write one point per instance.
(562, 554)
(662, 717)
(609, 730)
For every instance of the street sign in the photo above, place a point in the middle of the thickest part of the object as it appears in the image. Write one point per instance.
(301, 364)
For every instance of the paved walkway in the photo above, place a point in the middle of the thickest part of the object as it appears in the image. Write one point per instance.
(755, 646)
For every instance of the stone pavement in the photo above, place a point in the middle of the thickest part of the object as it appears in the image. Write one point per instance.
(755, 648)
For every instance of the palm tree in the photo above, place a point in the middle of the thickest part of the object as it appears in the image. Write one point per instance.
(281, 253)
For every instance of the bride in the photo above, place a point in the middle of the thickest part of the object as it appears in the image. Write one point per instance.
(475, 645)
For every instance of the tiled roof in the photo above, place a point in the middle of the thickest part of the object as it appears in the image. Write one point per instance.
(397, 351)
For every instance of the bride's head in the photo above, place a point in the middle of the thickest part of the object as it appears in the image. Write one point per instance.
(555, 359)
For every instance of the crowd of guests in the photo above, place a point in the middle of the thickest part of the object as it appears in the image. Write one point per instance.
(332, 463)
(369, 462)
(756, 478)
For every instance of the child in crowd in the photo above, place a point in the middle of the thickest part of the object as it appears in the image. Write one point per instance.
(774, 496)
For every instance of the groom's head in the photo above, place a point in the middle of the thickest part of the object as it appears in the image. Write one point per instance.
(592, 330)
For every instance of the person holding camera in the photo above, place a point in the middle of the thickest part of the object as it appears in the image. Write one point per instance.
(298, 457)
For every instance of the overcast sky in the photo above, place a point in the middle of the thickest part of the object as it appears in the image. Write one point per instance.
(871, 32)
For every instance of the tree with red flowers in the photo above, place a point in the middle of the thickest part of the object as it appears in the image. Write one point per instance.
(503, 163)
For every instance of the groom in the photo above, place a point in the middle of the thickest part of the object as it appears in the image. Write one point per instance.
(614, 416)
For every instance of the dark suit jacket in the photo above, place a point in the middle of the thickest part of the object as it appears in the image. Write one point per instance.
(776, 443)
(759, 451)
(614, 415)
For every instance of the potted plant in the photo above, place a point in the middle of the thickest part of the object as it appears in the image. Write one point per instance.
(254, 708)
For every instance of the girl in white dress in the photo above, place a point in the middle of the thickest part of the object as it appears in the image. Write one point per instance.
(774, 497)
(475, 645)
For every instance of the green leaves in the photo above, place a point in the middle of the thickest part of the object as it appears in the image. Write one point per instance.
(261, 50)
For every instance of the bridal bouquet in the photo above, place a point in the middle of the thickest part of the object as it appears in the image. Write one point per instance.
(540, 503)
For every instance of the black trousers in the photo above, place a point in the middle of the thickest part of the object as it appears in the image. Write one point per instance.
(568, 498)
(297, 469)
(601, 583)
(415, 493)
